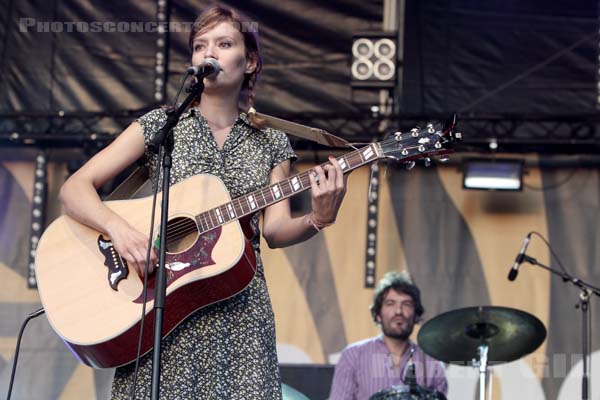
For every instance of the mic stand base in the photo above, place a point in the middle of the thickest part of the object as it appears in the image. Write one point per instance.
(583, 304)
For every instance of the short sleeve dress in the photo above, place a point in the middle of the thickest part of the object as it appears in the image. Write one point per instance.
(226, 350)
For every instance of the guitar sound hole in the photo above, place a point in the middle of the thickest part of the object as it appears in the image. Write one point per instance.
(182, 233)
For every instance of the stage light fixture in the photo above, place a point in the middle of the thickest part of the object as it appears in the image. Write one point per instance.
(40, 192)
(495, 174)
(372, 218)
(374, 60)
(162, 51)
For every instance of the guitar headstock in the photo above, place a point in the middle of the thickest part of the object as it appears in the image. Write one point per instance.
(421, 142)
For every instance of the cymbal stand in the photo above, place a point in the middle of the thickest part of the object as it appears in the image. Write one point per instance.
(482, 363)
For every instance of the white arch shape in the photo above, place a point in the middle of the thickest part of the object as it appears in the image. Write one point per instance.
(571, 386)
(517, 381)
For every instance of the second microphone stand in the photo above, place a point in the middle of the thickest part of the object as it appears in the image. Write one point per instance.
(586, 290)
(164, 139)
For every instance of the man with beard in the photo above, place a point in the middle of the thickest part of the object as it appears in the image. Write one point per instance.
(371, 365)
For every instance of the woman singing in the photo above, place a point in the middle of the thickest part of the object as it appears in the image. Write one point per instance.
(225, 350)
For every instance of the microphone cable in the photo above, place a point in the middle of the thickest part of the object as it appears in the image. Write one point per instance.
(34, 314)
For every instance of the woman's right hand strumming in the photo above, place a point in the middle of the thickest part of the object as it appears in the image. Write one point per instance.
(132, 245)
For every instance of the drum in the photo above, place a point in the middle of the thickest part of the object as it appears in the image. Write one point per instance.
(289, 393)
(404, 392)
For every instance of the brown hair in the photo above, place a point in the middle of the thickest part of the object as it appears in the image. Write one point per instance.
(249, 30)
(401, 284)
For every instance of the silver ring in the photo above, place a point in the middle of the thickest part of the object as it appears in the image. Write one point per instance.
(316, 176)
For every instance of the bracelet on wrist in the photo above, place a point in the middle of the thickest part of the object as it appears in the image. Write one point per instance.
(318, 225)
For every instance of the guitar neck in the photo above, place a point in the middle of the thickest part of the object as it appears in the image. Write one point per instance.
(259, 199)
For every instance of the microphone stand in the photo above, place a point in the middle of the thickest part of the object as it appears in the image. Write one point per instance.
(164, 138)
(586, 290)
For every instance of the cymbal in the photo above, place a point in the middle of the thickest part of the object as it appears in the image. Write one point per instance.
(454, 336)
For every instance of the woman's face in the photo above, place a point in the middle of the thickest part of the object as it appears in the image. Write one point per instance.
(225, 44)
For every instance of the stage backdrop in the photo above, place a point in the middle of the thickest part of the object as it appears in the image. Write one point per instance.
(459, 55)
(458, 245)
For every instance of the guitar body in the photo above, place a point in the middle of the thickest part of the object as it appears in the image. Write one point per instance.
(94, 304)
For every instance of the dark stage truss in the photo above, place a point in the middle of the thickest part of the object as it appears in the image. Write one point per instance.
(484, 133)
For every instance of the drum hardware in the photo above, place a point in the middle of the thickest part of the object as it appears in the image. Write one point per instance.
(481, 336)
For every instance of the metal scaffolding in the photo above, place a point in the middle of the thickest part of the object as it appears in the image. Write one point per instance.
(516, 133)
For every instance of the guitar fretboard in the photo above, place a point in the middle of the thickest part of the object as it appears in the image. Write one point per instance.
(259, 199)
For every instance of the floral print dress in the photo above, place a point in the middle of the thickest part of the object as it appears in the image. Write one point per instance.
(226, 350)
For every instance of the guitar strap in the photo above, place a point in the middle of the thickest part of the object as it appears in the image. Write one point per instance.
(302, 131)
(134, 185)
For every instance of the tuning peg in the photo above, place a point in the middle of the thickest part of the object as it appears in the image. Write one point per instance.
(410, 165)
(443, 159)
(427, 161)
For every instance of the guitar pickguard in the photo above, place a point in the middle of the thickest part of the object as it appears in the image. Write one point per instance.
(178, 264)
(117, 267)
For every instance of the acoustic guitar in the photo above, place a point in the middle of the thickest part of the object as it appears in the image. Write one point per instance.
(94, 303)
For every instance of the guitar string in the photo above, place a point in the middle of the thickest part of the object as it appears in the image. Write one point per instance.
(183, 228)
(180, 229)
(175, 231)
(187, 226)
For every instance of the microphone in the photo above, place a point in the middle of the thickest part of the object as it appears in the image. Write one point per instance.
(209, 66)
(411, 376)
(512, 274)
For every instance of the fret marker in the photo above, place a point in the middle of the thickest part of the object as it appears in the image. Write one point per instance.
(368, 153)
(276, 191)
(295, 184)
(251, 202)
(231, 211)
(343, 164)
(219, 215)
